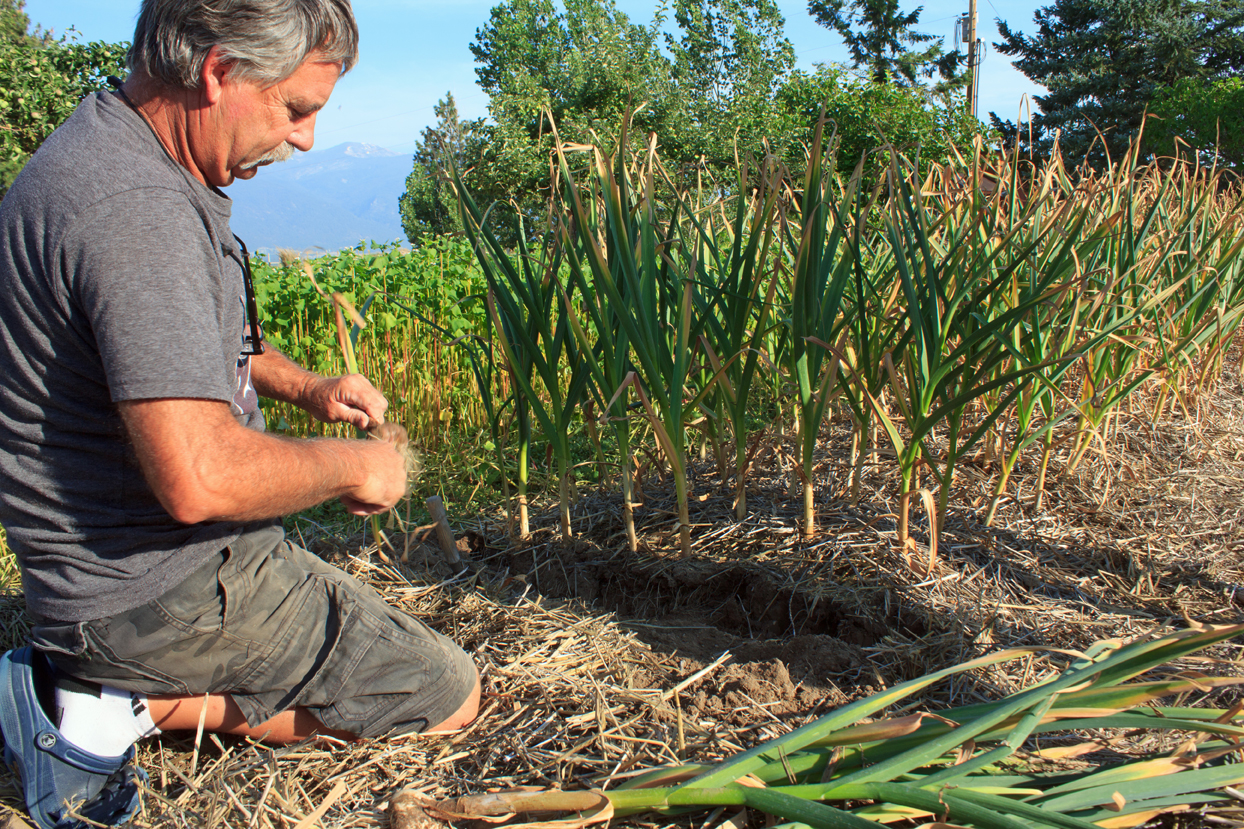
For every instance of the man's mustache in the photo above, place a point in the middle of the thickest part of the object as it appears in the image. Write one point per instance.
(282, 153)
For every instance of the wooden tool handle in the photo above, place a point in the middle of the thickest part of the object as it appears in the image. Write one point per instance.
(443, 533)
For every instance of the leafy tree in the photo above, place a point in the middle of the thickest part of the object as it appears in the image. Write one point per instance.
(879, 36)
(41, 83)
(591, 67)
(428, 206)
(1105, 61)
(1208, 118)
(866, 115)
(587, 65)
(13, 21)
(730, 60)
(727, 83)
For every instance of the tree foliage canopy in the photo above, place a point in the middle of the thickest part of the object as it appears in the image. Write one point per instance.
(586, 65)
(1105, 61)
(717, 84)
(880, 38)
(1207, 118)
(13, 21)
(41, 83)
(865, 115)
(730, 61)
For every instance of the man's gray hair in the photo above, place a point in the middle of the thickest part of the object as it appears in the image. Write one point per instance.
(267, 39)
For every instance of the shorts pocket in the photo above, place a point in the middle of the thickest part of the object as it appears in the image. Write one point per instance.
(198, 602)
(59, 638)
(106, 664)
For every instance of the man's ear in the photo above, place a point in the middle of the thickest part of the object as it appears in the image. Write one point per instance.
(212, 75)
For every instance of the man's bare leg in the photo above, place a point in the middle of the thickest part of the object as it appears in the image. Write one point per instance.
(181, 713)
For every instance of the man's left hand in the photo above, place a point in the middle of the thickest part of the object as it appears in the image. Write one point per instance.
(346, 399)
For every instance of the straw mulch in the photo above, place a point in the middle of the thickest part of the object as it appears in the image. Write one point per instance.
(598, 664)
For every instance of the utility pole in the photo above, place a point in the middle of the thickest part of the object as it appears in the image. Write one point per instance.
(973, 75)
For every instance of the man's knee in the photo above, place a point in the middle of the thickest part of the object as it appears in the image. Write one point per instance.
(465, 714)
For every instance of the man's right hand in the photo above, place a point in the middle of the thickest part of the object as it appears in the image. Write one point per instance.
(386, 484)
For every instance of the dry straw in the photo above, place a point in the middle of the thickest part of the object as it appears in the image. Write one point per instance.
(576, 700)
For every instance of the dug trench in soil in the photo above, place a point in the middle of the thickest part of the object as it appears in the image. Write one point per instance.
(788, 649)
(1157, 540)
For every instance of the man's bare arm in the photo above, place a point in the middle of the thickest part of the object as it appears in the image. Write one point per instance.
(204, 466)
(349, 398)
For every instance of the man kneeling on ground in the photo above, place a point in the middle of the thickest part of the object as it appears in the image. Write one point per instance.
(138, 489)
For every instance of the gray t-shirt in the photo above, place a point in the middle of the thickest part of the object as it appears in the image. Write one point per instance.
(119, 280)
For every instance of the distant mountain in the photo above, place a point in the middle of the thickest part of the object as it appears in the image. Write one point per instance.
(325, 199)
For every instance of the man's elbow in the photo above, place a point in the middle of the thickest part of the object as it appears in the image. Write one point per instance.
(192, 501)
(188, 512)
(192, 454)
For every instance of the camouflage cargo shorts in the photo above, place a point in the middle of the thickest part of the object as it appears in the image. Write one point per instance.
(275, 627)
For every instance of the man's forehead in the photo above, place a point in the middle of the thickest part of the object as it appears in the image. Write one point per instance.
(313, 61)
(318, 58)
(311, 66)
(306, 79)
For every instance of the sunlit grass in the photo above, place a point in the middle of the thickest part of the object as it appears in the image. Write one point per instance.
(7, 559)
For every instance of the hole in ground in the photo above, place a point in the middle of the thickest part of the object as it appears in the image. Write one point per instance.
(697, 609)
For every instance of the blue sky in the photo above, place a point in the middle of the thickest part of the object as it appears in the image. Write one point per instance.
(414, 51)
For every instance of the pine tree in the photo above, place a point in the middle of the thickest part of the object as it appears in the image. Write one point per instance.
(1105, 61)
(429, 206)
(879, 36)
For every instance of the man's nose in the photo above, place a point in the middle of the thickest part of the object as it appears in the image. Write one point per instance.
(303, 137)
